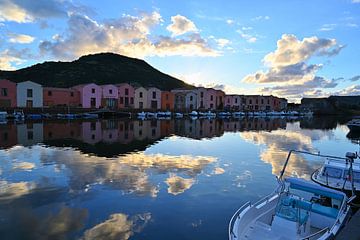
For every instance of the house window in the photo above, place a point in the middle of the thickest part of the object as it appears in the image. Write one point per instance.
(268, 101)
(154, 94)
(236, 100)
(93, 90)
(250, 101)
(140, 94)
(202, 94)
(4, 92)
(110, 91)
(121, 100)
(126, 91)
(49, 93)
(262, 101)
(167, 96)
(211, 98)
(132, 100)
(29, 93)
(257, 101)
(191, 98)
(71, 94)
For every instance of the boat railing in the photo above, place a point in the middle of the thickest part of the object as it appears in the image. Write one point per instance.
(308, 153)
(322, 231)
(235, 217)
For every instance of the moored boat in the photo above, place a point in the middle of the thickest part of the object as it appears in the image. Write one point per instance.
(297, 209)
(354, 124)
(340, 173)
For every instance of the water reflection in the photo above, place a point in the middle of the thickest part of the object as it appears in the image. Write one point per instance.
(119, 226)
(121, 179)
(278, 143)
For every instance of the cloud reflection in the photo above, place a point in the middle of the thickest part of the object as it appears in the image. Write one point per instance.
(278, 143)
(118, 227)
(10, 191)
(178, 184)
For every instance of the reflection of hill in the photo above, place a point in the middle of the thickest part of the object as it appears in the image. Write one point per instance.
(103, 149)
(112, 137)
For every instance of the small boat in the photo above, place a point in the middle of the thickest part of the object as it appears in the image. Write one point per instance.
(150, 115)
(34, 116)
(354, 125)
(89, 115)
(193, 113)
(3, 115)
(179, 115)
(297, 209)
(339, 173)
(163, 114)
(207, 114)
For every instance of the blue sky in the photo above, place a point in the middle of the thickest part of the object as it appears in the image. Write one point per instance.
(291, 49)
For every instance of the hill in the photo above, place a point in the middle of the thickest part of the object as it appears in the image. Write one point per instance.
(102, 68)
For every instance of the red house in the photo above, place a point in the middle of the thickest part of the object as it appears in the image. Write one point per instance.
(7, 93)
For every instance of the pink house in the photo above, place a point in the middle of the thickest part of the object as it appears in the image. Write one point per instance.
(211, 99)
(201, 93)
(232, 102)
(110, 95)
(90, 95)
(7, 93)
(126, 95)
(154, 98)
(220, 95)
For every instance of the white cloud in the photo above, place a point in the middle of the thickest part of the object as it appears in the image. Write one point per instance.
(8, 60)
(248, 37)
(23, 11)
(289, 70)
(230, 21)
(327, 27)
(355, 1)
(181, 25)
(20, 38)
(352, 90)
(222, 42)
(355, 78)
(127, 35)
(258, 18)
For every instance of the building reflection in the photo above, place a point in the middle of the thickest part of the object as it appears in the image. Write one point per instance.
(96, 136)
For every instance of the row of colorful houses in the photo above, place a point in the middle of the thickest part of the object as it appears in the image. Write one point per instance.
(125, 96)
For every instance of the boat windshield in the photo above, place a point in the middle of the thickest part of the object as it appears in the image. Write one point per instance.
(332, 172)
(356, 176)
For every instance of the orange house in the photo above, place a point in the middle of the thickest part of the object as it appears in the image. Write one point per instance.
(61, 97)
(167, 100)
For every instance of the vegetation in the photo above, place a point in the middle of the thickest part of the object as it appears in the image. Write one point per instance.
(102, 68)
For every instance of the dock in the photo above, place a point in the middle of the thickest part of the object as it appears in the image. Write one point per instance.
(351, 231)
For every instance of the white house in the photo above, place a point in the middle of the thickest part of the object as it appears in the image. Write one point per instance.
(29, 94)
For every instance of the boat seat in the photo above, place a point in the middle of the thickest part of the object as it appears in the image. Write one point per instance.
(323, 210)
(288, 209)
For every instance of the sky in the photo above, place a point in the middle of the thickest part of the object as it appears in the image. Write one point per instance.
(291, 49)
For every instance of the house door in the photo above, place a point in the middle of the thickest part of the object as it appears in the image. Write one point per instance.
(141, 105)
(154, 104)
(126, 102)
(93, 102)
(29, 103)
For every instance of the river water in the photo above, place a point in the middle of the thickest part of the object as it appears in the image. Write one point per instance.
(159, 179)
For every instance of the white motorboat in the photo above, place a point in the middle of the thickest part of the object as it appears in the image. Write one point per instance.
(297, 209)
(354, 124)
(179, 115)
(193, 113)
(339, 173)
(3, 115)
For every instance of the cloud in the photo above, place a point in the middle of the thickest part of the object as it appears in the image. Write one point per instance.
(355, 1)
(355, 78)
(26, 166)
(20, 38)
(178, 184)
(248, 37)
(8, 60)
(181, 25)
(222, 42)
(353, 90)
(288, 67)
(327, 27)
(10, 191)
(258, 18)
(23, 11)
(219, 170)
(230, 21)
(127, 35)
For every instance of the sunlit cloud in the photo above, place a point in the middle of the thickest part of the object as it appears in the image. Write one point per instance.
(8, 60)
(181, 25)
(248, 37)
(328, 27)
(26, 166)
(128, 35)
(178, 184)
(259, 18)
(20, 38)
